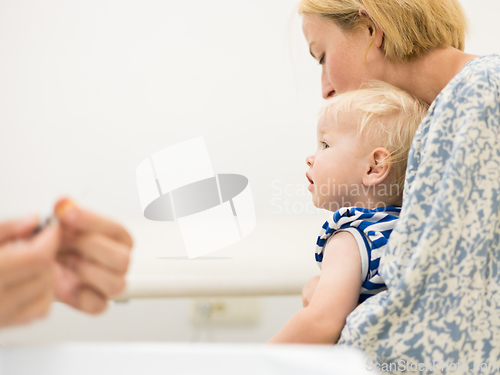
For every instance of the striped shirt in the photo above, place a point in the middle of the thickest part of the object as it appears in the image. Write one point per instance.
(371, 228)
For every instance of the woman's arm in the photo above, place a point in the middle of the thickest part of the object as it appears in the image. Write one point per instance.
(336, 295)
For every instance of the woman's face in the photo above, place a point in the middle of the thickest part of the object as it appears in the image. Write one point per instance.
(346, 57)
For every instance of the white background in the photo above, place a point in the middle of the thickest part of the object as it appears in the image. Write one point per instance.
(88, 89)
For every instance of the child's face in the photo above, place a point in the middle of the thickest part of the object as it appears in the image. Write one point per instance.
(337, 167)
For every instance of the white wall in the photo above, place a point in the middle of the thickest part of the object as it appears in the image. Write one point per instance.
(484, 37)
(89, 88)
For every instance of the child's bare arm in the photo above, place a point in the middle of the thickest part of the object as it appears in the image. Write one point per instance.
(308, 291)
(335, 297)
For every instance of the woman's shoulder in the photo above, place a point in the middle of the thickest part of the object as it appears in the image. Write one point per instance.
(486, 64)
(478, 78)
(479, 69)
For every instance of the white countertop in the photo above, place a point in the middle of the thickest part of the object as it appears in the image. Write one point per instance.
(182, 359)
(277, 258)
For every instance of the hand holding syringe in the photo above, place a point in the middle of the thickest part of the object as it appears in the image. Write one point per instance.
(81, 259)
(27, 273)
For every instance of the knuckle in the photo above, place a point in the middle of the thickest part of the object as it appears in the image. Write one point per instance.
(130, 242)
(85, 270)
(123, 261)
(44, 311)
(123, 236)
(118, 286)
(31, 317)
(26, 320)
(123, 285)
(126, 262)
(99, 308)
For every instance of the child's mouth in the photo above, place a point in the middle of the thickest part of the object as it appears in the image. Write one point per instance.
(311, 182)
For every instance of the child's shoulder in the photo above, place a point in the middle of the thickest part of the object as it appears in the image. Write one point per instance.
(369, 227)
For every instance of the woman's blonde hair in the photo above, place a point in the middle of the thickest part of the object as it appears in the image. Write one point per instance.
(385, 116)
(411, 27)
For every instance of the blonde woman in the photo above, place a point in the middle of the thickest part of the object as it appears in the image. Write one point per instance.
(442, 262)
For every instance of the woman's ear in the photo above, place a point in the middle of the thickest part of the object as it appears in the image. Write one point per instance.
(379, 166)
(373, 28)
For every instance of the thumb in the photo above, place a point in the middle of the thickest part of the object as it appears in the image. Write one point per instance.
(19, 228)
(38, 251)
(48, 240)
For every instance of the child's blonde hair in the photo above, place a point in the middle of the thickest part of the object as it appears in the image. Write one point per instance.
(411, 27)
(385, 116)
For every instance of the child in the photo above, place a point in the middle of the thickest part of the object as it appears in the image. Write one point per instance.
(358, 171)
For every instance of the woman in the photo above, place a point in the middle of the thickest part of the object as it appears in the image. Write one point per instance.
(442, 262)
(81, 261)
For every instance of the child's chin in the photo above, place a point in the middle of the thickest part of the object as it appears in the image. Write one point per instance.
(316, 203)
(321, 205)
(328, 206)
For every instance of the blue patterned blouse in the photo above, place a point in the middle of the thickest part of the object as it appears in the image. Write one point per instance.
(442, 261)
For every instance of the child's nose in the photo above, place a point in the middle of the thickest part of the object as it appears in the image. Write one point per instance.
(310, 160)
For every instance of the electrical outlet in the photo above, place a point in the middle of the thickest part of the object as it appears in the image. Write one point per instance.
(237, 311)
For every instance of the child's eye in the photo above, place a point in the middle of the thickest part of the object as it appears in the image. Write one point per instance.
(325, 145)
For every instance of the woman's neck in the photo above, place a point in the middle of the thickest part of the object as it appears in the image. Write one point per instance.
(428, 75)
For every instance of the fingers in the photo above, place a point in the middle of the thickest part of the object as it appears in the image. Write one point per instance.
(84, 284)
(66, 284)
(39, 308)
(28, 300)
(94, 260)
(103, 281)
(22, 259)
(27, 276)
(104, 251)
(90, 301)
(47, 241)
(81, 297)
(20, 228)
(82, 220)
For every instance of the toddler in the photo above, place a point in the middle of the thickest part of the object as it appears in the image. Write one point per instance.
(357, 172)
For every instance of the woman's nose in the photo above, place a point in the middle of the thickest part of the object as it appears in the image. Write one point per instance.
(326, 87)
(310, 160)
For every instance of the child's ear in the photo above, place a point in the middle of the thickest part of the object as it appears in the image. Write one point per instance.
(379, 166)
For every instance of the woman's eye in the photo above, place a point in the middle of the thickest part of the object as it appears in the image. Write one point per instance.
(322, 60)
